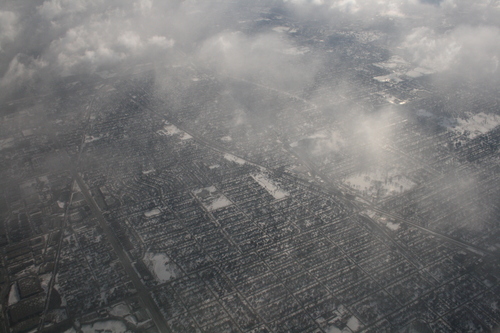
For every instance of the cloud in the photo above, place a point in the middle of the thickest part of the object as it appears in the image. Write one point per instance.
(8, 27)
(466, 50)
(327, 142)
(21, 71)
(161, 41)
(81, 36)
(268, 59)
(435, 12)
(55, 9)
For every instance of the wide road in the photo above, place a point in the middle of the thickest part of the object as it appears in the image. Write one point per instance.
(468, 246)
(142, 291)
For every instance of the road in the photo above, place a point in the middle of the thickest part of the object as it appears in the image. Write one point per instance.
(332, 186)
(462, 244)
(368, 205)
(202, 141)
(142, 291)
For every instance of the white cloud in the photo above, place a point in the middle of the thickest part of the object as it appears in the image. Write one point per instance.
(21, 70)
(266, 58)
(465, 48)
(8, 27)
(130, 40)
(56, 8)
(143, 6)
(74, 36)
(161, 41)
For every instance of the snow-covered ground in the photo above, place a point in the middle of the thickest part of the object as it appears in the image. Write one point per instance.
(6, 143)
(334, 329)
(353, 324)
(393, 226)
(91, 138)
(161, 266)
(379, 183)
(45, 281)
(475, 125)
(419, 71)
(220, 202)
(270, 186)
(393, 77)
(152, 212)
(27, 132)
(211, 198)
(235, 159)
(108, 326)
(61, 294)
(400, 69)
(171, 130)
(58, 315)
(120, 310)
(14, 295)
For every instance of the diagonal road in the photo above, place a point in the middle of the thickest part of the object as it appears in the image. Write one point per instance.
(142, 291)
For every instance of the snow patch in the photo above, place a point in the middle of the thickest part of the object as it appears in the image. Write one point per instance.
(220, 203)
(475, 125)
(379, 184)
(120, 310)
(270, 186)
(393, 77)
(211, 198)
(169, 130)
(152, 212)
(91, 138)
(27, 132)
(160, 265)
(108, 326)
(333, 329)
(45, 281)
(6, 143)
(235, 159)
(353, 324)
(400, 68)
(419, 71)
(393, 226)
(14, 295)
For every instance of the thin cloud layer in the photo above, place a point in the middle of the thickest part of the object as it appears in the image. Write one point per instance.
(471, 51)
(57, 38)
(8, 28)
(268, 59)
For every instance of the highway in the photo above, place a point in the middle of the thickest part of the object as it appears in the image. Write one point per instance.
(142, 291)
(368, 205)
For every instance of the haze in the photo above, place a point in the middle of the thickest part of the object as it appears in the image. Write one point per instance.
(250, 166)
